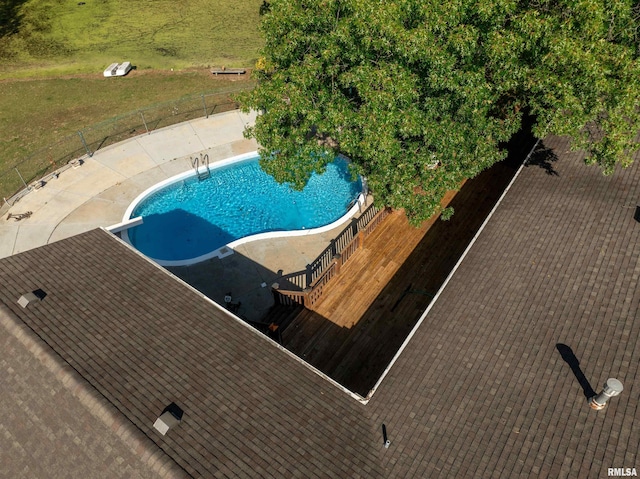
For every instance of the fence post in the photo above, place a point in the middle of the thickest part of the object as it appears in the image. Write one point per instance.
(84, 143)
(204, 105)
(21, 178)
(144, 121)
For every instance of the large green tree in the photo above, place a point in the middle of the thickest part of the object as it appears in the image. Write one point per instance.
(421, 94)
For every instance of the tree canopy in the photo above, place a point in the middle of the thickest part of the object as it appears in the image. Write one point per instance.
(421, 94)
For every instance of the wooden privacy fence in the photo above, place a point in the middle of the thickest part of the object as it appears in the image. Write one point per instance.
(308, 287)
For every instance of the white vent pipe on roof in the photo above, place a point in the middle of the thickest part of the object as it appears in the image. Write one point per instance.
(612, 388)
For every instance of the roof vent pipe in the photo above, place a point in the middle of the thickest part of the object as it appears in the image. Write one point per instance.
(385, 439)
(612, 388)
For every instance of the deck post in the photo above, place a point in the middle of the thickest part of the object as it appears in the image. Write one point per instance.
(337, 261)
(309, 276)
(354, 226)
(307, 301)
(355, 231)
(274, 290)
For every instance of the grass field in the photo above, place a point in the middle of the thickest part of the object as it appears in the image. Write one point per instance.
(53, 52)
(53, 37)
(37, 112)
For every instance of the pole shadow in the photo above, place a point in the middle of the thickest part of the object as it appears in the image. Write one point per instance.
(568, 357)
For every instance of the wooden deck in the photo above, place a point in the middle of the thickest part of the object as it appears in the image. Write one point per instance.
(381, 292)
(364, 277)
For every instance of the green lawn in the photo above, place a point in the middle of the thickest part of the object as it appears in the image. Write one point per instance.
(53, 53)
(38, 113)
(52, 37)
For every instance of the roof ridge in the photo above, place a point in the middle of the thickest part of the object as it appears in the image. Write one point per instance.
(149, 452)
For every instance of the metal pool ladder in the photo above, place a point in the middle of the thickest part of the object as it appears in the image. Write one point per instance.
(202, 160)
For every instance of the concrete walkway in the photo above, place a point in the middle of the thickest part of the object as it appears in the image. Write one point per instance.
(98, 193)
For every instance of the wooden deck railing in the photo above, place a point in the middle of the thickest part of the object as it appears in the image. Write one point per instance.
(294, 281)
(307, 287)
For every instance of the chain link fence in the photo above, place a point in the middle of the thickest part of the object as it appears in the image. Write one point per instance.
(21, 178)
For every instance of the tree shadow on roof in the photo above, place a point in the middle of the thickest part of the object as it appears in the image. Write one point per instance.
(544, 158)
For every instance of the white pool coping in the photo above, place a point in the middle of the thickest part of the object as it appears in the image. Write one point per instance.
(229, 248)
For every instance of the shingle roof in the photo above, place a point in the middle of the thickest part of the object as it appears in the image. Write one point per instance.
(143, 340)
(480, 390)
(47, 431)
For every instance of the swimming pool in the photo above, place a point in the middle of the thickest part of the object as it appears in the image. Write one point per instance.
(187, 220)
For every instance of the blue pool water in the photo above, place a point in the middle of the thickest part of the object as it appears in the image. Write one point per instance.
(190, 218)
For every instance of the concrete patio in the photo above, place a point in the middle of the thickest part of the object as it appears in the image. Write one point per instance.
(97, 194)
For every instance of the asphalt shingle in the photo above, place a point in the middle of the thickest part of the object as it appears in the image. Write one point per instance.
(556, 264)
(143, 340)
